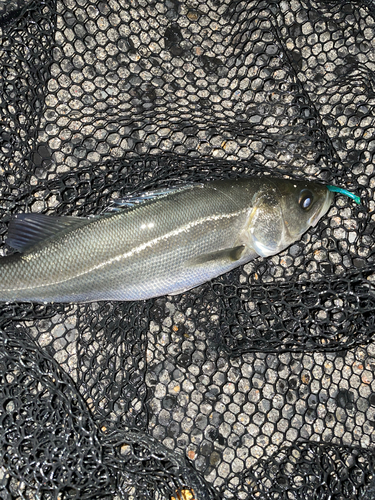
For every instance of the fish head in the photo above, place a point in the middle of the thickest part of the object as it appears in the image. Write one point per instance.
(283, 211)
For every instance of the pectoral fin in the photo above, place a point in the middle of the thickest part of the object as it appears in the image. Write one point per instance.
(212, 264)
(226, 256)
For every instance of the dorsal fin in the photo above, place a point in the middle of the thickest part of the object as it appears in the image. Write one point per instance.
(135, 199)
(27, 230)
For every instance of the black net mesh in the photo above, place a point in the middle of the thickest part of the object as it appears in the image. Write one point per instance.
(259, 384)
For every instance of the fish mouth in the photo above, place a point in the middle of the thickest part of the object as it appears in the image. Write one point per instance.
(325, 207)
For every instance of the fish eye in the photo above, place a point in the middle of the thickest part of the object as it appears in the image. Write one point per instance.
(305, 199)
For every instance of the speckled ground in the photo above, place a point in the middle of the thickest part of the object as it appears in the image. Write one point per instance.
(287, 85)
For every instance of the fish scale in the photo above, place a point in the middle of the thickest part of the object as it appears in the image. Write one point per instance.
(165, 244)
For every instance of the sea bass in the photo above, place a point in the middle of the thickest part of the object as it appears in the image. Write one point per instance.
(160, 243)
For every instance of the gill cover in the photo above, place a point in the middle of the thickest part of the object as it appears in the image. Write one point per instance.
(266, 224)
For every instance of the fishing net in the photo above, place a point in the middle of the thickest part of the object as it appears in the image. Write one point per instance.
(259, 384)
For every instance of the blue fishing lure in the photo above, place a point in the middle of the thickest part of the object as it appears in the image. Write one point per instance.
(336, 189)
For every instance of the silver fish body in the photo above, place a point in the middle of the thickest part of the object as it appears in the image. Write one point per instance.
(163, 245)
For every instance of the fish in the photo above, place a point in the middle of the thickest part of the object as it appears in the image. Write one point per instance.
(162, 242)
